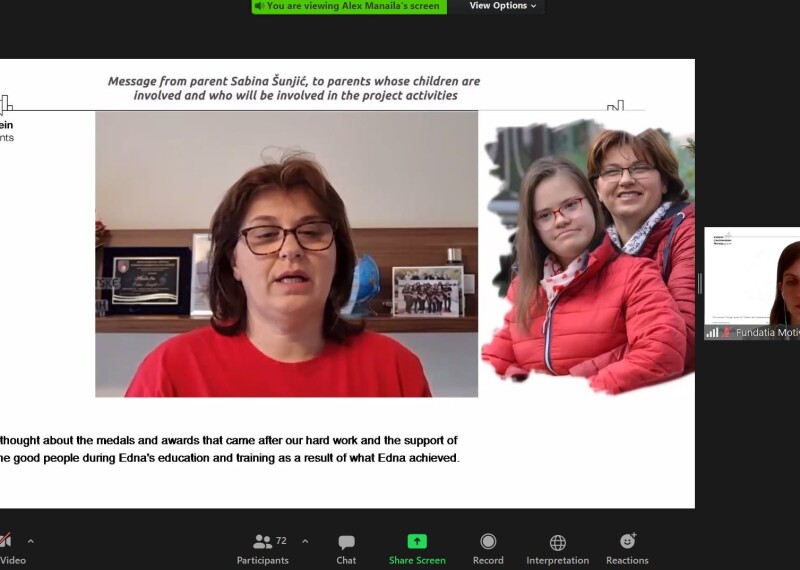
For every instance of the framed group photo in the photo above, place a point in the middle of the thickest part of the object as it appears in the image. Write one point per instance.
(432, 291)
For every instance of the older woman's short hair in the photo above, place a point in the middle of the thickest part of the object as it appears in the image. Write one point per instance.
(227, 297)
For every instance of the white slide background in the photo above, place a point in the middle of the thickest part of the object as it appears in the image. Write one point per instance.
(550, 442)
(740, 273)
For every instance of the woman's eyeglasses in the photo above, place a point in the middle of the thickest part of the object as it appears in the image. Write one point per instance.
(614, 173)
(311, 236)
(570, 209)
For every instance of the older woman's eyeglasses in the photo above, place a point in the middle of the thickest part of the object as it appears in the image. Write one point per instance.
(614, 173)
(570, 209)
(311, 236)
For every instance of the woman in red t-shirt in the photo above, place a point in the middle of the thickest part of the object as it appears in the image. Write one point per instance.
(282, 262)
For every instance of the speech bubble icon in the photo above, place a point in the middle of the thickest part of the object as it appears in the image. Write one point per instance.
(347, 541)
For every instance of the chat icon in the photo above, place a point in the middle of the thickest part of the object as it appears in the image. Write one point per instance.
(347, 541)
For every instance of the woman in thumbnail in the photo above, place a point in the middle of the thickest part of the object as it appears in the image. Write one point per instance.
(282, 262)
(647, 215)
(576, 296)
(786, 308)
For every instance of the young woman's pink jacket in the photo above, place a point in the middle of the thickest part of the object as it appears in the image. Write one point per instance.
(620, 300)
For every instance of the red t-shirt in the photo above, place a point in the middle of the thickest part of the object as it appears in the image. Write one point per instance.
(206, 363)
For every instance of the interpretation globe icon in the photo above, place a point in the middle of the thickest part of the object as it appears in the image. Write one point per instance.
(366, 285)
(558, 543)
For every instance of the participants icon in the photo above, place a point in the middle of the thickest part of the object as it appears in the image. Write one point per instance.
(262, 542)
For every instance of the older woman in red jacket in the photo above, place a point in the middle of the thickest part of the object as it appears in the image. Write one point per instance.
(577, 297)
(647, 214)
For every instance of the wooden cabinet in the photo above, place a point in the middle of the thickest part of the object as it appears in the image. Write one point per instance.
(390, 247)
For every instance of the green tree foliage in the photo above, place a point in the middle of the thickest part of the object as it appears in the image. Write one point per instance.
(690, 146)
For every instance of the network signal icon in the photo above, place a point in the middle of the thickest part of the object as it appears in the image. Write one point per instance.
(4, 106)
(713, 333)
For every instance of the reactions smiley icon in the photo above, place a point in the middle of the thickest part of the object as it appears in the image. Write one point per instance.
(628, 540)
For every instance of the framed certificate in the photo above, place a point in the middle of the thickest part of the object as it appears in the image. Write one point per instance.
(147, 280)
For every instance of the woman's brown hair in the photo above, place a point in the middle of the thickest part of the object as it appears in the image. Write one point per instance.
(530, 249)
(226, 294)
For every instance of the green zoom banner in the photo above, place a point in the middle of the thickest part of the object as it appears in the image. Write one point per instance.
(348, 8)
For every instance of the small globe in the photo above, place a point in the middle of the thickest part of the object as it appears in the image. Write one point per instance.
(366, 285)
(369, 279)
